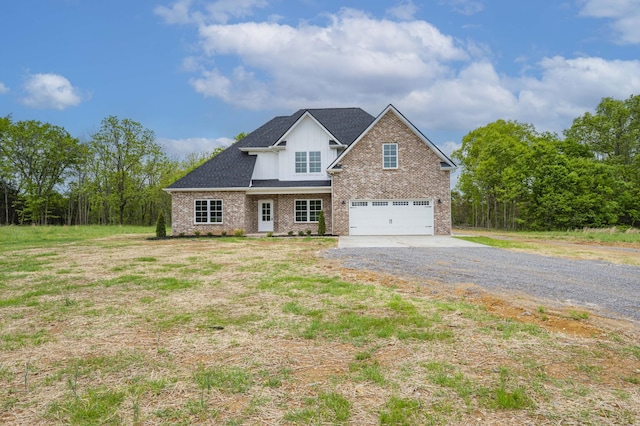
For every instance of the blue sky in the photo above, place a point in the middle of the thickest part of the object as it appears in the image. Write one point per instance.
(199, 72)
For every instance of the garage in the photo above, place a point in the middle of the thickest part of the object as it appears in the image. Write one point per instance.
(391, 217)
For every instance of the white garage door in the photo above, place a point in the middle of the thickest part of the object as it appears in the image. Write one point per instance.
(391, 217)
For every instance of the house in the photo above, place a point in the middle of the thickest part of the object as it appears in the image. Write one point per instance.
(369, 175)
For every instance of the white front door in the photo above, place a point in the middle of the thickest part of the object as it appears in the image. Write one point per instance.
(265, 216)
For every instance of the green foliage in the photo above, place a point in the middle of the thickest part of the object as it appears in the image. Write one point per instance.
(37, 156)
(322, 226)
(516, 178)
(238, 233)
(161, 227)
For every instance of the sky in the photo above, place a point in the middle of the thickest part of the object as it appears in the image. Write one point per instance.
(199, 72)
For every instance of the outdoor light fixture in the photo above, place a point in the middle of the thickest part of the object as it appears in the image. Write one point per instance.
(439, 201)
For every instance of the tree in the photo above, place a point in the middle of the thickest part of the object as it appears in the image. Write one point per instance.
(322, 227)
(493, 176)
(123, 149)
(38, 155)
(161, 227)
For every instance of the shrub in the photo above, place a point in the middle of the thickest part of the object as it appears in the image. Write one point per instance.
(307, 231)
(209, 234)
(161, 227)
(269, 234)
(290, 233)
(223, 233)
(197, 234)
(300, 233)
(322, 226)
(181, 234)
(238, 233)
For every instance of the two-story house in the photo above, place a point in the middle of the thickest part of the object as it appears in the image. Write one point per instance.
(368, 175)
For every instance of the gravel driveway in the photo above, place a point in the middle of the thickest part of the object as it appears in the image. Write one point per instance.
(611, 290)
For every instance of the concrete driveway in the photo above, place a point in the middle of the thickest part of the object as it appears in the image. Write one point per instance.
(403, 241)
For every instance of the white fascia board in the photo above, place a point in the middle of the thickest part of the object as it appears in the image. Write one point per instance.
(255, 151)
(298, 121)
(237, 189)
(290, 190)
(413, 128)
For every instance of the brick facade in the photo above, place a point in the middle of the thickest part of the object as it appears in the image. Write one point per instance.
(284, 212)
(418, 174)
(183, 207)
(361, 177)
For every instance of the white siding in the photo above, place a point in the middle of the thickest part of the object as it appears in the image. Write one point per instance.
(266, 166)
(306, 136)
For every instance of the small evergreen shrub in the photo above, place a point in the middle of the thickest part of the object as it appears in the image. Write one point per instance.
(307, 231)
(181, 234)
(300, 233)
(269, 234)
(290, 233)
(197, 234)
(238, 233)
(161, 227)
(322, 226)
(209, 234)
(223, 233)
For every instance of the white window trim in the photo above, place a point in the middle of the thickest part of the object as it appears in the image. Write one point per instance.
(397, 155)
(208, 222)
(307, 200)
(307, 163)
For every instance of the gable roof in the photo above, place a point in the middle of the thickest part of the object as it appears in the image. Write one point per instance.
(446, 163)
(233, 168)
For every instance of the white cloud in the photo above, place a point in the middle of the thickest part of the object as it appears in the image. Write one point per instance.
(179, 148)
(404, 11)
(358, 60)
(176, 14)
(306, 65)
(625, 16)
(50, 91)
(223, 10)
(3, 89)
(465, 7)
(220, 11)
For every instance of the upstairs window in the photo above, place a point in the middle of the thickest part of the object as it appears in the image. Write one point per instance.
(390, 156)
(301, 162)
(315, 163)
(308, 162)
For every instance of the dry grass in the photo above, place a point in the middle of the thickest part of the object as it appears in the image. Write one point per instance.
(264, 331)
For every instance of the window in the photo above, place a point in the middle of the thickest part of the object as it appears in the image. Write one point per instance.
(311, 162)
(359, 204)
(208, 211)
(379, 203)
(308, 210)
(314, 162)
(301, 162)
(400, 203)
(390, 156)
(421, 203)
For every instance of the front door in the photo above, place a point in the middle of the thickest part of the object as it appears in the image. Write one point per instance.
(265, 216)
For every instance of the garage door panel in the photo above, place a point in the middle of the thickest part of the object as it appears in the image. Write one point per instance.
(391, 217)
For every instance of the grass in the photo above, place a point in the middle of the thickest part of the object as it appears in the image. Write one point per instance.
(120, 329)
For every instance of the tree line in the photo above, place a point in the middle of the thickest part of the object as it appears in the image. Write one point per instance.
(116, 177)
(514, 177)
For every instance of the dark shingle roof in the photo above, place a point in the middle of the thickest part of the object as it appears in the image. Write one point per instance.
(233, 168)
